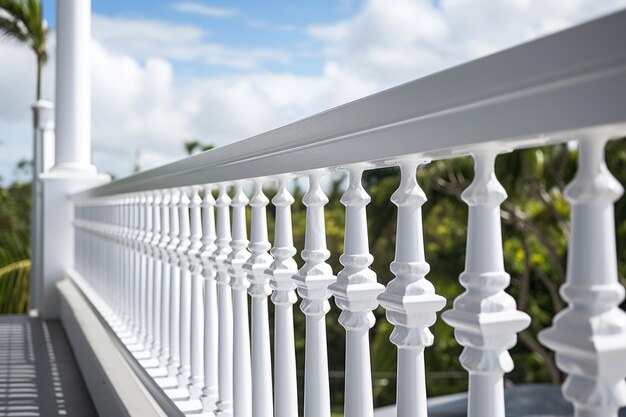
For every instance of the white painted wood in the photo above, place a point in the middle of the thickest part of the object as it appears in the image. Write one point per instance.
(589, 336)
(255, 267)
(209, 272)
(225, 306)
(281, 273)
(164, 353)
(196, 380)
(157, 273)
(149, 271)
(143, 262)
(409, 299)
(136, 265)
(484, 316)
(242, 391)
(174, 295)
(313, 280)
(184, 371)
(355, 292)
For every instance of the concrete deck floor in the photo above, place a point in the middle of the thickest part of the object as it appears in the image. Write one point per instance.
(39, 376)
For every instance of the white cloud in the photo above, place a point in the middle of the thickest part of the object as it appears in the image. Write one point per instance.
(204, 10)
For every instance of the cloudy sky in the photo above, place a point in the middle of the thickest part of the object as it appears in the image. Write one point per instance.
(219, 71)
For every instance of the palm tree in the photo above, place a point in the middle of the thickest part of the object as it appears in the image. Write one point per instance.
(22, 20)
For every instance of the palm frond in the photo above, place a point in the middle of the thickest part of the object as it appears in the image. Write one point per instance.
(10, 28)
(14, 283)
(16, 9)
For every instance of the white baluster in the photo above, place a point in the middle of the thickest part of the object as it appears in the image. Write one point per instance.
(184, 371)
(313, 280)
(149, 271)
(239, 284)
(136, 271)
(128, 301)
(259, 289)
(410, 299)
(211, 364)
(157, 271)
(355, 293)
(281, 272)
(484, 316)
(174, 296)
(225, 306)
(196, 380)
(589, 336)
(164, 354)
(143, 262)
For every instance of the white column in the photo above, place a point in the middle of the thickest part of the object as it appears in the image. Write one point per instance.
(589, 336)
(355, 292)
(174, 295)
(281, 272)
(157, 272)
(225, 306)
(484, 317)
(313, 280)
(184, 371)
(259, 289)
(239, 284)
(164, 353)
(149, 271)
(410, 299)
(196, 380)
(73, 86)
(209, 271)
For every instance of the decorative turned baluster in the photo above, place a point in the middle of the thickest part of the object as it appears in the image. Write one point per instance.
(209, 272)
(157, 272)
(184, 371)
(410, 299)
(196, 380)
(225, 306)
(589, 336)
(239, 283)
(174, 295)
(355, 292)
(149, 271)
(281, 273)
(164, 353)
(259, 289)
(128, 300)
(484, 316)
(313, 280)
(136, 268)
(143, 262)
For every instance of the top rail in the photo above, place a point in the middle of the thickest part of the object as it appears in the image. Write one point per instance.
(545, 91)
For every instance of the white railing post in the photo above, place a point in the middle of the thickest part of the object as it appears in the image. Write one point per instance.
(196, 380)
(184, 371)
(156, 277)
(164, 353)
(211, 363)
(589, 336)
(484, 317)
(174, 295)
(281, 272)
(225, 306)
(410, 299)
(239, 283)
(355, 292)
(136, 273)
(149, 271)
(313, 280)
(259, 289)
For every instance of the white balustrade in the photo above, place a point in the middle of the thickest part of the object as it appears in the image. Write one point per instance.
(410, 299)
(484, 317)
(149, 272)
(156, 275)
(184, 371)
(164, 353)
(242, 405)
(259, 289)
(174, 295)
(281, 272)
(589, 336)
(313, 280)
(225, 305)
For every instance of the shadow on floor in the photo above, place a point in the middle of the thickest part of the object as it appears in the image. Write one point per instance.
(39, 376)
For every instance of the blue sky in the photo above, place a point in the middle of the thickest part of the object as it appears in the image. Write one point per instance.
(167, 71)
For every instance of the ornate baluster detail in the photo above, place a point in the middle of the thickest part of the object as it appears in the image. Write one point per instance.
(484, 316)
(410, 299)
(174, 295)
(209, 272)
(157, 271)
(196, 381)
(225, 306)
(128, 301)
(164, 353)
(137, 268)
(313, 280)
(184, 371)
(281, 273)
(589, 336)
(143, 262)
(259, 289)
(355, 293)
(149, 271)
(239, 284)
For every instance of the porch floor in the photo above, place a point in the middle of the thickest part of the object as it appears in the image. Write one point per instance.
(39, 376)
